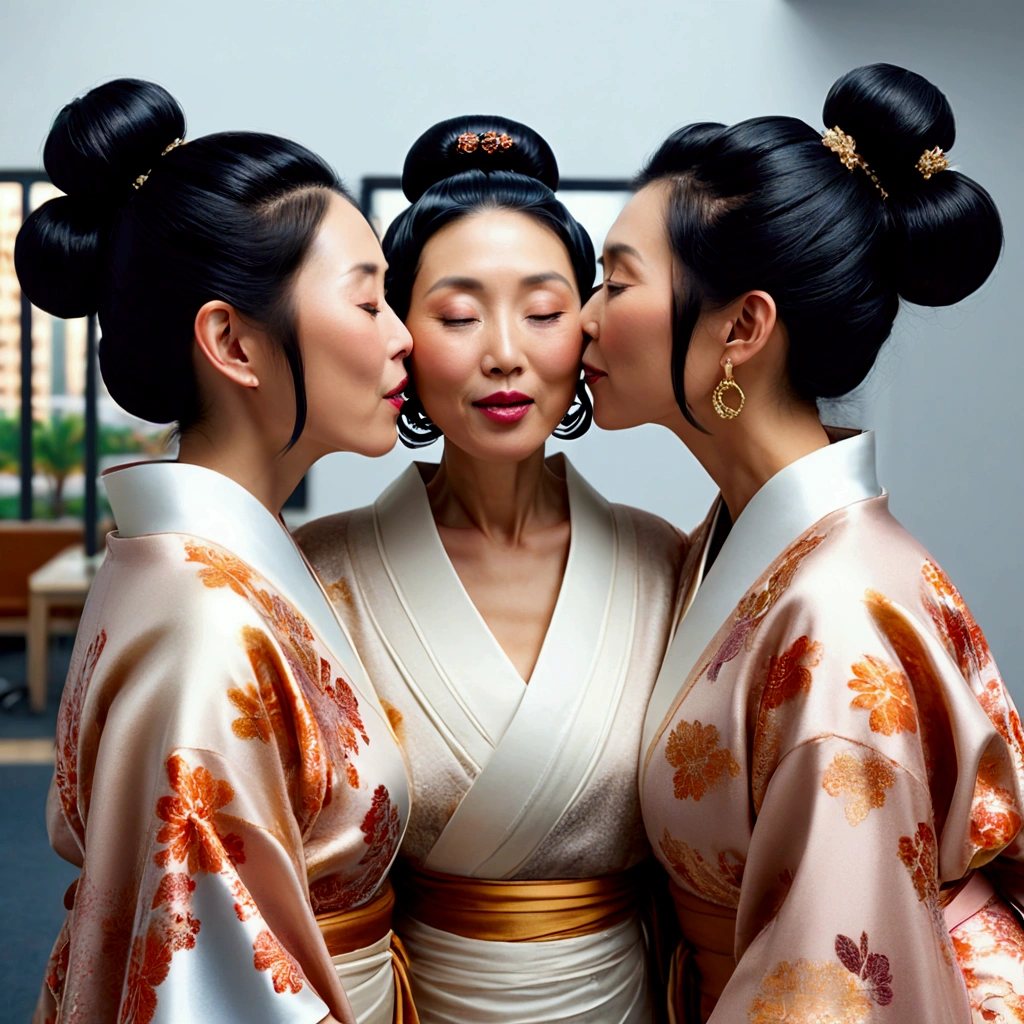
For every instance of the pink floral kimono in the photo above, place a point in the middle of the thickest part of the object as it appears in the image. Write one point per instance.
(224, 773)
(833, 771)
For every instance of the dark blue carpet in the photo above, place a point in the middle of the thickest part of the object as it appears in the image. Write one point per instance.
(32, 893)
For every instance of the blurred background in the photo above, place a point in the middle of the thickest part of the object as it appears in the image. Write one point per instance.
(604, 83)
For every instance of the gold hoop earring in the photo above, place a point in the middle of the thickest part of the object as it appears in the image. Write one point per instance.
(725, 411)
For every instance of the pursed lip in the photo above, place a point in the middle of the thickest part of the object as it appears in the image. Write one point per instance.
(395, 397)
(591, 375)
(504, 406)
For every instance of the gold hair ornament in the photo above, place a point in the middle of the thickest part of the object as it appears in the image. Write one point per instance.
(845, 147)
(489, 142)
(727, 412)
(143, 178)
(932, 162)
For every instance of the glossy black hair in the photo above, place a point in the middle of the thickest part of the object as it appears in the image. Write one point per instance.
(763, 204)
(229, 216)
(443, 183)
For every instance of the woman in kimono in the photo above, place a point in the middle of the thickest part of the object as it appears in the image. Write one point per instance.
(832, 766)
(512, 620)
(226, 779)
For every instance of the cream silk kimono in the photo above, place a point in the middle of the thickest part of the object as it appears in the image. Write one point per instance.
(513, 782)
(830, 755)
(224, 775)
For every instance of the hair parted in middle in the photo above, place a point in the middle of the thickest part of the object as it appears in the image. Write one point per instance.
(446, 178)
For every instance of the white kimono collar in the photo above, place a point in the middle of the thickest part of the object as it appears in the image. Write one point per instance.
(175, 497)
(785, 507)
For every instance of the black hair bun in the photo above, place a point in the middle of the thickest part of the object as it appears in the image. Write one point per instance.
(98, 145)
(946, 234)
(474, 142)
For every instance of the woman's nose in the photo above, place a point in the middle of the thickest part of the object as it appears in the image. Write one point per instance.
(502, 357)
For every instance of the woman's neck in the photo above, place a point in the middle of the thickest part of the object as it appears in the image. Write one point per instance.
(503, 500)
(243, 456)
(743, 454)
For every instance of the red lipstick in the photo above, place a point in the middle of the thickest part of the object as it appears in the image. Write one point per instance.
(395, 397)
(591, 375)
(504, 406)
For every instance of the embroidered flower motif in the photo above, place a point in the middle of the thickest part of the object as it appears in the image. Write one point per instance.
(254, 723)
(994, 812)
(1001, 713)
(956, 625)
(884, 691)
(861, 780)
(271, 956)
(751, 611)
(381, 830)
(169, 932)
(994, 931)
(222, 569)
(69, 720)
(788, 676)
(718, 883)
(871, 968)
(920, 857)
(190, 831)
(810, 992)
(789, 673)
(245, 905)
(693, 750)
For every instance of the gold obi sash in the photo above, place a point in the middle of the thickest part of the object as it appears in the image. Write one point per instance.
(703, 962)
(345, 931)
(521, 911)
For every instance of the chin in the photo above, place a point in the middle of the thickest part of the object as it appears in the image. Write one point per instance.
(608, 418)
(375, 445)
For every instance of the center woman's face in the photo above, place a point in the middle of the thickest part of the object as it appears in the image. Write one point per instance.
(494, 314)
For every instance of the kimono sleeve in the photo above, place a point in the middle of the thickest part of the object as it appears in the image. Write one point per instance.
(877, 779)
(189, 777)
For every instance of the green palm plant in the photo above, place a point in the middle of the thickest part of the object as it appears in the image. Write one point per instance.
(10, 433)
(58, 451)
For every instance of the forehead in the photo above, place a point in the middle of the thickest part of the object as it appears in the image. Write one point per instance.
(492, 241)
(345, 237)
(641, 224)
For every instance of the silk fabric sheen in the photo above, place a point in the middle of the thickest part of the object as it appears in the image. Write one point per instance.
(223, 769)
(512, 781)
(830, 746)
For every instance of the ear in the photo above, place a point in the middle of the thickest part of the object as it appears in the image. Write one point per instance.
(753, 318)
(225, 342)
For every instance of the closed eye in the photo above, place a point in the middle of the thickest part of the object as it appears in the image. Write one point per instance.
(458, 321)
(371, 308)
(547, 318)
(614, 289)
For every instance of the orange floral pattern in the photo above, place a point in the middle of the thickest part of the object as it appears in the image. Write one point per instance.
(700, 763)
(68, 724)
(270, 955)
(995, 817)
(989, 949)
(823, 991)
(254, 723)
(860, 781)
(920, 856)
(382, 833)
(751, 611)
(301, 650)
(954, 622)
(883, 690)
(788, 676)
(190, 832)
(172, 928)
(716, 882)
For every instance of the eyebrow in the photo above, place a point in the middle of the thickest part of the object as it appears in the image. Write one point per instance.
(471, 284)
(366, 269)
(620, 249)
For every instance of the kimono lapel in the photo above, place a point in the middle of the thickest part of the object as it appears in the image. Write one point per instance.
(174, 497)
(788, 505)
(555, 738)
(433, 631)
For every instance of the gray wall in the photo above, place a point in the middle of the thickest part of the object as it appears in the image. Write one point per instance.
(605, 82)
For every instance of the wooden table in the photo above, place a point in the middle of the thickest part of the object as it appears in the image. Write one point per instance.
(63, 582)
